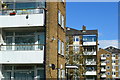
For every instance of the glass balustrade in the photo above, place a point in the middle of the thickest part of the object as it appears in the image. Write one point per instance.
(22, 11)
(22, 47)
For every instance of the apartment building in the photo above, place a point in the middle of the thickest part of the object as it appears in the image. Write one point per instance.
(108, 63)
(32, 39)
(81, 53)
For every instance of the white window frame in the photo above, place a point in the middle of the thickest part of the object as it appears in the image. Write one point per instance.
(59, 46)
(113, 73)
(59, 74)
(62, 43)
(62, 22)
(63, 74)
(59, 17)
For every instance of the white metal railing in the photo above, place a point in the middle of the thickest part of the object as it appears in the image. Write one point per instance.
(89, 53)
(103, 69)
(22, 47)
(103, 63)
(103, 75)
(22, 11)
(103, 58)
(90, 62)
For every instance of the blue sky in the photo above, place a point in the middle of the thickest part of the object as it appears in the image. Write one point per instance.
(94, 15)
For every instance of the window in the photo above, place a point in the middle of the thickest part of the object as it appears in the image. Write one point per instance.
(113, 61)
(113, 73)
(62, 0)
(76, 38)
(62, 48)
(76, 48)
(89, 38)
(59, 73)
(113, 67)
(24, 40)
(108, 73)
(62, 22)
(119, 72)
(108, 61)
(113, 55)
(103, 55)
(59, 46)
(25, 5)
(63, 74)
(60, 19)
(108, 55)
(119, 66)
(107, 67)
(119, 60)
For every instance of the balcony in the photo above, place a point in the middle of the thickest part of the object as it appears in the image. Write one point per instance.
(89, 53)
(103, 69)
(22, 18)
(103, 58)
(90, 73)
(89, 43)
(90, 62)
(103, 75)
(20, 54)
(103, 63)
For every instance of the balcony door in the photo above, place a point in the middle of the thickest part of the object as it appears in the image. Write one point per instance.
(24, 75)
(25, 41)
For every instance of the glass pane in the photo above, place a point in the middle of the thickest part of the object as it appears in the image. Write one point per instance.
(24, 67)
(9, 43)
(40, 74)
(7, 75)
(7, 67)
(25, 43)
(9, 33)
(41, 41)
(24, 75)
(25, 5)
(89, 38)
(24, 33)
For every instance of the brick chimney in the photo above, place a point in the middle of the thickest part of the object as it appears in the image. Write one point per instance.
(84, 28)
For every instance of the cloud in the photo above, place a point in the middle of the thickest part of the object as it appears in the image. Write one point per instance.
(107, 43)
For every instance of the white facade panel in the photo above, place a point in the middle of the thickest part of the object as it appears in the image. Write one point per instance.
(103, 70)
(89, 43)
(113, 58)
(21, 57)
(90, 73)
(21, 20)
(103, 64)
(103, 58)
(103, 75)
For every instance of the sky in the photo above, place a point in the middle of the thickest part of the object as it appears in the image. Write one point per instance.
(95, 15)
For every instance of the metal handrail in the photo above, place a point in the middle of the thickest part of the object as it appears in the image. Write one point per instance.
(25, 47)
(22, 11)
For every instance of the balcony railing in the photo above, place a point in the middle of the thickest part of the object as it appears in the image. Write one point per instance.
(31, 47)
(22, 18)
(90, 73)
(103, 75)
(22, 11)
(89, 53)
(103, 58)
(90, 62)
(103, 69)
(103, 63)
